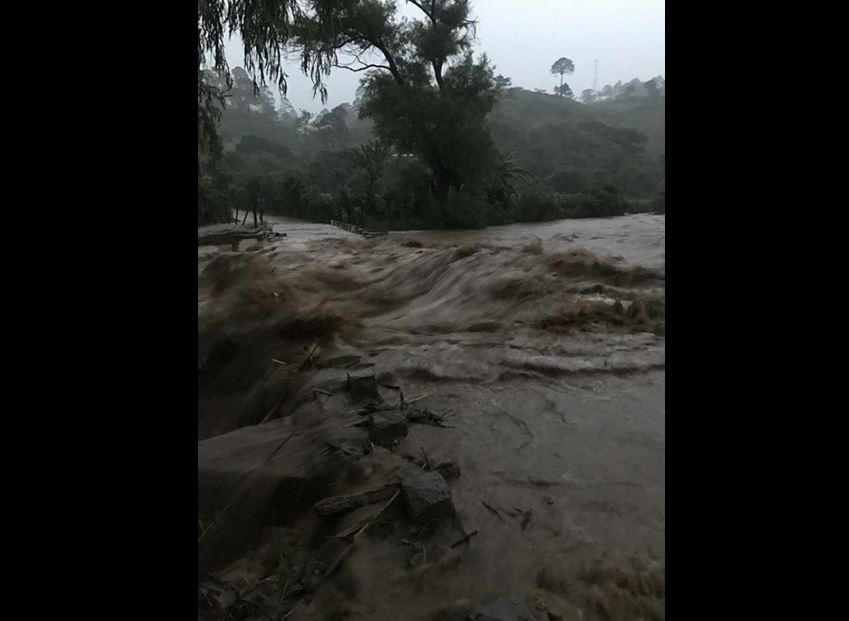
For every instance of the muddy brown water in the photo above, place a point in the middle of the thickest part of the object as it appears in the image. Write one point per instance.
(545, 342)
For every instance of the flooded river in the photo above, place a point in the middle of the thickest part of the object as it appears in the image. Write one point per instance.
(543, 343)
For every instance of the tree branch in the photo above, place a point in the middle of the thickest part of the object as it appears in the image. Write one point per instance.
(430, 13)
(393, 66)
(363, 68)
(363, 65)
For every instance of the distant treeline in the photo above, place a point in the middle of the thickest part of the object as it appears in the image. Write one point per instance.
(556, 158)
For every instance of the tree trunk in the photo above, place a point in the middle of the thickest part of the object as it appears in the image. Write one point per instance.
(246, 217)
(255, 224)
(440, 184)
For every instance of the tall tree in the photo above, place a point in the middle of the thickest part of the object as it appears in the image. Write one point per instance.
(370, 159)
(562, 66)
(332, 128)
(424, 90)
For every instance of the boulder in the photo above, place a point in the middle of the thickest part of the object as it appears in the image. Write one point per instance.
(387, 427)
(427, 497)
(362, 384)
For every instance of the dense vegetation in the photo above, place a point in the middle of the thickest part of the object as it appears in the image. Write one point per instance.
(434, 138)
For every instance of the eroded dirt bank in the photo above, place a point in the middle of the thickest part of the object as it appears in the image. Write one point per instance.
(541, 346)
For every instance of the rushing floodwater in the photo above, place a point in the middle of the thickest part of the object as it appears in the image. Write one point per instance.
(544, 340)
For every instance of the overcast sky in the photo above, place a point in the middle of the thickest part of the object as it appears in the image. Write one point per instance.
(524, 37)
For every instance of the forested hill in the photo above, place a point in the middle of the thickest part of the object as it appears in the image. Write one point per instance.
(557, 151)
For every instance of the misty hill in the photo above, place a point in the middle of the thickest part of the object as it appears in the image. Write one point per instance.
(568, 148)
(569, 144)
(644, 114)
(634, 89)
(255, 113)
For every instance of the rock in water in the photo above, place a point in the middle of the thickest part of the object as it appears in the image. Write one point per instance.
(362, 384)
(427, 497)
(387, 427)
(507, 608)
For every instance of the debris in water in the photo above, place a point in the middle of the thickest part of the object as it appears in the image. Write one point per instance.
(363, 526)
(337, 504)
(421, 416)
(464, 539)
(492, 510)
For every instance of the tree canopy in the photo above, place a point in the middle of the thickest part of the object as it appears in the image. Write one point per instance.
(423, 88)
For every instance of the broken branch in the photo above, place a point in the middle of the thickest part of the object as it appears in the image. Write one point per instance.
(337, 504)
(464, 539)
(362, 526)
(493, 510)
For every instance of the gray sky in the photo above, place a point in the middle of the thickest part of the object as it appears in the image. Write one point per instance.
(524, 37)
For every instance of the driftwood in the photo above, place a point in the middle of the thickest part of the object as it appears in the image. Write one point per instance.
(421, 416)
(464, 539)
(493, 510)
(356, 532)
(360, 528)
(419, 398)
(337, 504)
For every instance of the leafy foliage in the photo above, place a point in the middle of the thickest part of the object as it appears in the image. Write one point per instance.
(427, 95)
(563, 66)
(564, 90)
